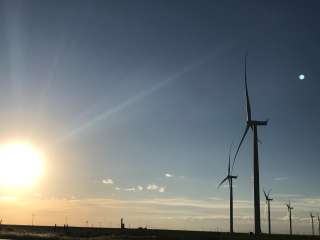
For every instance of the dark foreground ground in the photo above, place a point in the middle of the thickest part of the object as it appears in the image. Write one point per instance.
(52, 233)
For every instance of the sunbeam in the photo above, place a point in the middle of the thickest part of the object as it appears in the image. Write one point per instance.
(14, 31)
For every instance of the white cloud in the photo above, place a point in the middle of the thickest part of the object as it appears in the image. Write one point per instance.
(288, 195)
(215, 198)
(130, 189)
(168, 175)
(117, 188)
(280, 179)
(140, 188)
(152, 187)
(108, 181)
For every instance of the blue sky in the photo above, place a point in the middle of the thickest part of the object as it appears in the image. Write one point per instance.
(130, 91)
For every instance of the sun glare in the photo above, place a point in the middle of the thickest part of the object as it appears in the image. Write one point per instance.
(20, 165)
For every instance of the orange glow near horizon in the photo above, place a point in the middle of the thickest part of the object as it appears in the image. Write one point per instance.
(21, 165)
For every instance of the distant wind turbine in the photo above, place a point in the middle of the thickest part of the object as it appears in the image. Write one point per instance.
(312, 217)
(268, 200)
(253, 124)
(319, 225)
(230, 178)
(290, 208)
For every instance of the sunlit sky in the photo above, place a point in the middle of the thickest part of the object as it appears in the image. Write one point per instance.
(135, 104)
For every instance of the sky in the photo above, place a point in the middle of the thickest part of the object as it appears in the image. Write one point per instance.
(135, 105)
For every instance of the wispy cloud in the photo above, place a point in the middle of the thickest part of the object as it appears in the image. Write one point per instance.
(130, 189)
(288, 195)
(215, 198)
(108, 181)
(169, 175)
(154, 187)
(280, 179)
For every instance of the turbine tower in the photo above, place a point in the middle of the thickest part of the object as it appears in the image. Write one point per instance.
(268, 200)
(230, 178)
(312, 217)
(319, 225)
(253, 124)
(290, 208)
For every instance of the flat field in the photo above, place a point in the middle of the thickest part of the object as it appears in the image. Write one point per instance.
(55, 233)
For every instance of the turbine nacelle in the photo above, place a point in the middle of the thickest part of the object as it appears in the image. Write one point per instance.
(269, 199)
(266, 195)
(289, 207)
(252, 123)
(229, 178)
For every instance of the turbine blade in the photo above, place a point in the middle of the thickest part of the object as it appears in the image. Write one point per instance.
(265, 194)
(246, 87)
(243, 136)
(225, 179)
(230, 148)
(265, 209)
(229, 166)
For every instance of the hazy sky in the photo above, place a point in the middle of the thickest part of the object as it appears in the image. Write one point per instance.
(121, 93)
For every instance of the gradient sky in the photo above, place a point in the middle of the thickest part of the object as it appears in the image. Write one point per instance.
(120, 93)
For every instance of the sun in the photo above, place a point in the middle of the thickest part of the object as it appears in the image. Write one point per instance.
(21, 164)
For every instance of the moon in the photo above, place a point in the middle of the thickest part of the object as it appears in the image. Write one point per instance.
(301, 77)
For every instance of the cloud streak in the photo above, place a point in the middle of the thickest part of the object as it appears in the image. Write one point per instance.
(102, 116)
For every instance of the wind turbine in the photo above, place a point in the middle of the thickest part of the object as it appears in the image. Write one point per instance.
(319, 225)
(290, 208)
(312, 217)
(253, 124)
(230, 178)
(268, 200)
